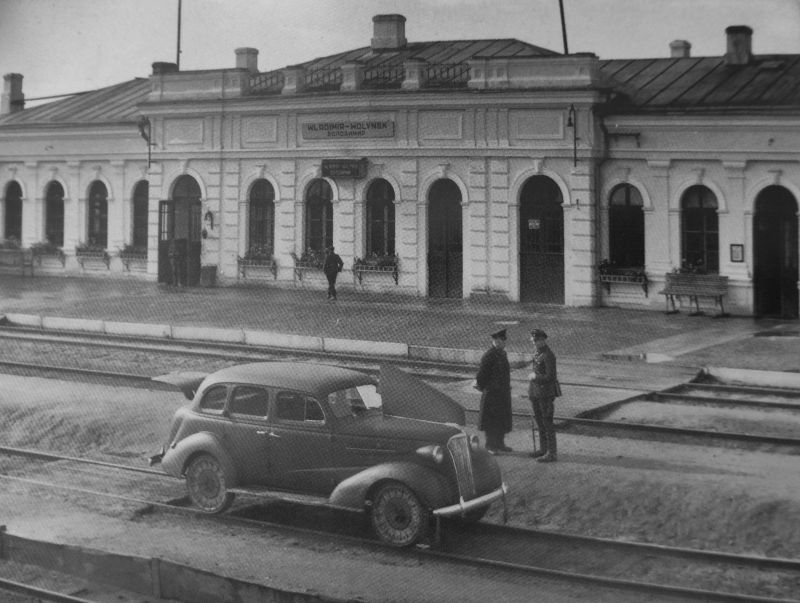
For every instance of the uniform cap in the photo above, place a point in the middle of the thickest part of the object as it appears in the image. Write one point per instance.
(538, 334)
(501, 334)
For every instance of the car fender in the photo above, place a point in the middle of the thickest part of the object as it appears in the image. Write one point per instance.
(431, 487)
(176, 458)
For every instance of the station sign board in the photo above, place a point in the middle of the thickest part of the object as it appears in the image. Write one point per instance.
(364, 128)
(345, 168)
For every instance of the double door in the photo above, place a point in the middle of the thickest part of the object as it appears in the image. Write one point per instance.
(179, 242)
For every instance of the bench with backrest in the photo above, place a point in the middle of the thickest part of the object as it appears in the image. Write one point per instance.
(695, 286)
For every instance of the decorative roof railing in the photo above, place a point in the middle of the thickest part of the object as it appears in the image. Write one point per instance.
(447, 75)
(266, 83)
(384, 77)
(328, 78)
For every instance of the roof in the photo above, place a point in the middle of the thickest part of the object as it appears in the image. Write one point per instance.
(112, 104)
(657, 85)
(298, 376)
(705, 83)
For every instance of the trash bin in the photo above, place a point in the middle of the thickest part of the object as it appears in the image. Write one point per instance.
(208, 275)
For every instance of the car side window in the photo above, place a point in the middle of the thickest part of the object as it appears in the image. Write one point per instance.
(213, 401)
(291, 406)
(248, 400)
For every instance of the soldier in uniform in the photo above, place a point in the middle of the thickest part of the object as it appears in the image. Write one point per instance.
(494, 383)
(543, 389)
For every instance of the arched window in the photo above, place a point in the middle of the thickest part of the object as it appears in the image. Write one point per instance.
(141, 194)
(13, 206)
(699, 230)
(380, 218)
(98, 215)
(261, 225)
(54, 214)
(626, 227)
(319, 216)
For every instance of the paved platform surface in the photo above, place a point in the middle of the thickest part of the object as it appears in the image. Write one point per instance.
(609, 347)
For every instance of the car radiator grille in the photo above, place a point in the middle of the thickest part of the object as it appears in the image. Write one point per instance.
(458, 446)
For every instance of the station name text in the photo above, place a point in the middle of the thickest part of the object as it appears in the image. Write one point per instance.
(349, 129)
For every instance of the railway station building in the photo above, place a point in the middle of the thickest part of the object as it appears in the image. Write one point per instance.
(445, 169)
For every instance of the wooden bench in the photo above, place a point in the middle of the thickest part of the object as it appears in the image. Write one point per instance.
(695, 286)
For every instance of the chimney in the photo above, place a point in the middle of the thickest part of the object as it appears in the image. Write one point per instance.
(389, 32)
(161, 68)
(740, 50)
(680, 49)
(12, 100)
(247, 58)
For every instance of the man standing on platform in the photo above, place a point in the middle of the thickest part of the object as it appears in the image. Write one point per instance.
(332, 267)
(543, 389)
(494, 383)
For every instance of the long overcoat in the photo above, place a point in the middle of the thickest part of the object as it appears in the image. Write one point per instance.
(545, 384)
(494, 383)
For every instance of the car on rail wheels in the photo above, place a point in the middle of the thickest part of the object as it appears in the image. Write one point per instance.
(392, 447)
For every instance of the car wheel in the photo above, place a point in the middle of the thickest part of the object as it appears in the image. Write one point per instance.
(205, 481)
(398, 518)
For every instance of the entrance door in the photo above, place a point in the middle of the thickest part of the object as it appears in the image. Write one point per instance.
(445, 249)
(179, 238)
(775, 253)
(541, 242)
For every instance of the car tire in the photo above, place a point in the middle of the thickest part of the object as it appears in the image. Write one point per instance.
(398, 518)
(205, 482)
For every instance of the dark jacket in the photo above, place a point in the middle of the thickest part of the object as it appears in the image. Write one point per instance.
(545, 382)
(494, 382)
(333, 263)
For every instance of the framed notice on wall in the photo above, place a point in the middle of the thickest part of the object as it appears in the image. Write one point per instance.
(737, 252)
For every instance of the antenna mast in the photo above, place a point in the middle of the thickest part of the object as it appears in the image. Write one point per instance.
(178, 58)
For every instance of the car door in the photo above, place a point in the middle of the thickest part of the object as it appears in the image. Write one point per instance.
(248, 434)
(300, 444)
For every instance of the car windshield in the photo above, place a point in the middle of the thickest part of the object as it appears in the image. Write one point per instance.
(354, 400)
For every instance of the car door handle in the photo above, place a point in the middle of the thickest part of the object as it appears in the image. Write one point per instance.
(271, 434)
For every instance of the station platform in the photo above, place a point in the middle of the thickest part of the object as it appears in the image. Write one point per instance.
(609, 347)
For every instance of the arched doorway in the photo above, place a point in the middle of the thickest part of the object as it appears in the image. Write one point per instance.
(775, 253)
(445, 248)
(541, 242)
(179, 228)
(13, 211)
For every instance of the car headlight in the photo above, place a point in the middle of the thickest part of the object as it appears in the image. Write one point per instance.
(433, 451)
(474, 442)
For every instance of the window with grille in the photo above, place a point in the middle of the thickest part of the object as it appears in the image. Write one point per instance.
(626, 227)
(261, 223)
(699, 230)
(141, 196)
(380, 218)
(54, 214)
(319, 216)
(97, 208)
(13, 211)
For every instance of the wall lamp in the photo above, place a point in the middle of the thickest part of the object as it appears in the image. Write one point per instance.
(572, 122)
(145, 131)
(208, 223)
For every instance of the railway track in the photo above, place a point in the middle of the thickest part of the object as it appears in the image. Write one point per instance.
(630, 567)
(594, 422)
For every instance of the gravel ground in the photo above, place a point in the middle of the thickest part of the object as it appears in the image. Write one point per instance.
(683, 495)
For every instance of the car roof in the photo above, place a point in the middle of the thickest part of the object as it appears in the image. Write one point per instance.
(301, 376)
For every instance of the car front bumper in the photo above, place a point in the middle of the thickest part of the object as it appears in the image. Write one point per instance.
(464, 506)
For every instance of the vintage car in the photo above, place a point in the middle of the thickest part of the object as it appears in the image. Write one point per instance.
(398, 454)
